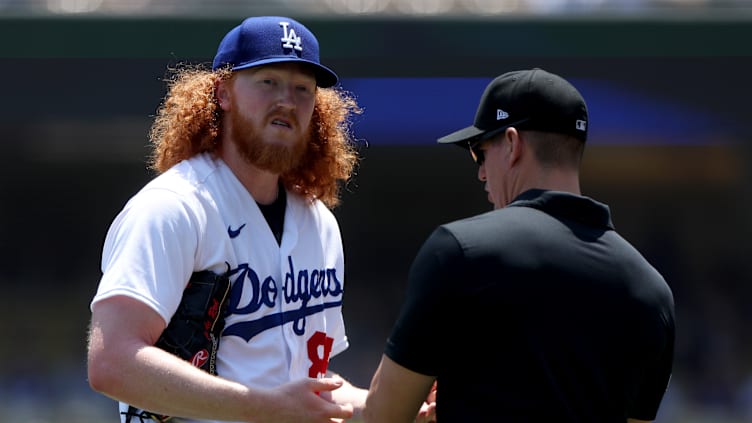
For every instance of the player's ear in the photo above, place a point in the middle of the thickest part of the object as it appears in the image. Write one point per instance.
(222, 93)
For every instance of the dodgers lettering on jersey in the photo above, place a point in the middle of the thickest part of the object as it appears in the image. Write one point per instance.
(264, 297)
(298, 289)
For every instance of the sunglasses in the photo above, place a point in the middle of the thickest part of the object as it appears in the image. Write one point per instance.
(478, 155)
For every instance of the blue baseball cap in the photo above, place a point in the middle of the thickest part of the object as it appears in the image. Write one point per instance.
(262, 40)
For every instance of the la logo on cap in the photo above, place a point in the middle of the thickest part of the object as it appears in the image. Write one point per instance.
(290, 39)
(581, 125)
(500, 114)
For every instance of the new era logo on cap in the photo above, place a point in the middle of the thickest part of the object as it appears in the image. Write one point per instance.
(532, 99)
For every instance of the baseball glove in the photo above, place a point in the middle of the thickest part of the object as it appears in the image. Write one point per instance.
(194, 330)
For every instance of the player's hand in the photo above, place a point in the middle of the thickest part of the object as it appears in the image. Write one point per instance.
(305, 401)
(427, 413)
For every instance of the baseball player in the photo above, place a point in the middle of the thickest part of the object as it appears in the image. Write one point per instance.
(250, 155)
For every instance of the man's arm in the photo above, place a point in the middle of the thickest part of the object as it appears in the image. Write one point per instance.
(124, 365)
(396, 393)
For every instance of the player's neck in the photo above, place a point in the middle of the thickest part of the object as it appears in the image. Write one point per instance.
(261, 184)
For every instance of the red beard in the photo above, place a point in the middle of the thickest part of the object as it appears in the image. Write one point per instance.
(254, 150)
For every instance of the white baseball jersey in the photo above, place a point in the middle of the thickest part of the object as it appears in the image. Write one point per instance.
(285, 319)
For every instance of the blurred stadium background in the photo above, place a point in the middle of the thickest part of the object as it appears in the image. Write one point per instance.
(667, 83)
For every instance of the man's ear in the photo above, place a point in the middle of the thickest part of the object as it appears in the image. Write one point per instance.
(222, 93)
(513, 142)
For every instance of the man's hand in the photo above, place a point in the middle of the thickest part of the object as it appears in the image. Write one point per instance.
(427, 413)
(306, 400)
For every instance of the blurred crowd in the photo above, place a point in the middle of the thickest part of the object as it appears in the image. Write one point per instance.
(369, 7)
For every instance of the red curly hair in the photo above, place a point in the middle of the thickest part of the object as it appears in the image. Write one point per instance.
(186, 124)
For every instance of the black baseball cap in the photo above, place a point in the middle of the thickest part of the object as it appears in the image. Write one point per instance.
(261, 40)
(526, 99)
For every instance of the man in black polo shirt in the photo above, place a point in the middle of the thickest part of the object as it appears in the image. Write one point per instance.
(538, 311)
